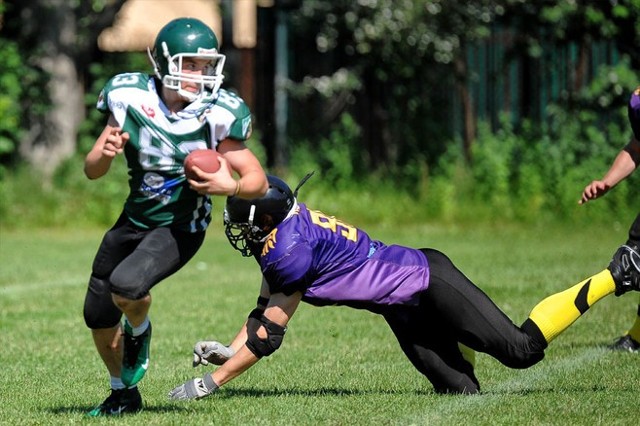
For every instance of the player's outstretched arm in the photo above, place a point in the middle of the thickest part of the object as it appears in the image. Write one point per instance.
(624, 164)
(278, 313)
(212, 352)
(269, 333)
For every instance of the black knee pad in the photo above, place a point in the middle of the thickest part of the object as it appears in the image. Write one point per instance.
(99, 310)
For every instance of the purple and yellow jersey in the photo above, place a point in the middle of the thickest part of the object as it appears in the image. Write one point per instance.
(634, 112)
(159, 194)
(334, 263)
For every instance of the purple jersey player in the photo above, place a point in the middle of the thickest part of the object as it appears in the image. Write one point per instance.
(437, 314)
(624, 164)
(333, 263)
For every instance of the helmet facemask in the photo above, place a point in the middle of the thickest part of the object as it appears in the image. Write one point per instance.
(187, 38)
(209, 81)
(240, 235)
(249, 222)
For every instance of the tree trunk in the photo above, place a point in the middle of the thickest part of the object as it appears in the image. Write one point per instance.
(469, 117)
(50, 33)
(52, 137)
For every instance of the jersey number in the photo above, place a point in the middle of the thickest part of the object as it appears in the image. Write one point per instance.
(335, 225)
(156, 151)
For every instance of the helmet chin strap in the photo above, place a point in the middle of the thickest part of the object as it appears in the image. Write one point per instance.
(190, 96)
(156, 67)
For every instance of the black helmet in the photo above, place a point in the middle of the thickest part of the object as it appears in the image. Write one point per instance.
(250, 221)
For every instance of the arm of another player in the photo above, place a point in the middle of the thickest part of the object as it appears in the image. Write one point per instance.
(109, 144)
(252, 181)
(624, 164)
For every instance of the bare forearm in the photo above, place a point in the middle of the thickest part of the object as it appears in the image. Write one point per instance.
(252, 184)
(240, 339)
(622, 166)
(96, 165)
(236, 365)
(109, 144)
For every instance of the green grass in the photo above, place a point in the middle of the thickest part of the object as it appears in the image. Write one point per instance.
(337, 365)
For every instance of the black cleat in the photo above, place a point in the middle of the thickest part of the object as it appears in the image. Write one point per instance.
(625, 269)
(121, 401)
(625, 344)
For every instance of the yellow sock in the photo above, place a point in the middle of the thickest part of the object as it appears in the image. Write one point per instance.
(634, 331)
(557, 312)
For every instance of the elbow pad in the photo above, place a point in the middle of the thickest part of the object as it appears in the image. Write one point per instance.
(263, 347)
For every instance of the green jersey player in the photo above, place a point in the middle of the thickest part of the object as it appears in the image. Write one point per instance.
(155, 121)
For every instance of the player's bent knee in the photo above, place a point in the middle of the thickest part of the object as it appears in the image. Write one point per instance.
(523, 360)
(123, 287)
(99, 310)
(98, 314)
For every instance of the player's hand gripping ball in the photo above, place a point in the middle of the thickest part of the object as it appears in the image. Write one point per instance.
(205, 159)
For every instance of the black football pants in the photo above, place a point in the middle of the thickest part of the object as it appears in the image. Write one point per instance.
(454, 310)
(129, 262)
(634, 232)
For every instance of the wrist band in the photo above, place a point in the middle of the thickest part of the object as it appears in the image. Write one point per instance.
(209, 383)
(238, 187)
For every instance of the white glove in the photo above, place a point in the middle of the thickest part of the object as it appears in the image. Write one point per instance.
(205, 353)
(194, 389)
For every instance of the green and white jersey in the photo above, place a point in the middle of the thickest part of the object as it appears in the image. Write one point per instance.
(159, 194)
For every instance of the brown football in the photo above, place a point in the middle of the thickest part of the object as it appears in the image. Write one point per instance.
(205, 159)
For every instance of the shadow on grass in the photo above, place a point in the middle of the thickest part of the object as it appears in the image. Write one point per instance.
(83, 410)
(316, 392)
(181, 406)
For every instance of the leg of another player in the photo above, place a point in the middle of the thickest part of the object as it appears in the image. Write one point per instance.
(634, 332)
(630, 341)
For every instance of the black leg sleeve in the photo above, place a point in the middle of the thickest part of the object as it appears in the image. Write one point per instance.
(634, 232)
(473, 318)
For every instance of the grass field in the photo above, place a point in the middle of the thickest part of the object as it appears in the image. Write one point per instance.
(337, 366)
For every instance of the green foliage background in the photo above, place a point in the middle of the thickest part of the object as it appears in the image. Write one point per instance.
(509, 180)
(532, 172)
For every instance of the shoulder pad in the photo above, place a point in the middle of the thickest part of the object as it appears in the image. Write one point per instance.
(133, 80)
(238, 116)
(128, 80)
(232, 103)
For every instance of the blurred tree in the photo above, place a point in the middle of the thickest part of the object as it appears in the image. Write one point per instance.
(395, 59)
(57, 40)
(559, 24)
(399, 65)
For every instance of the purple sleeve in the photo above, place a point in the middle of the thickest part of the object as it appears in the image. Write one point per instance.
(291, 272)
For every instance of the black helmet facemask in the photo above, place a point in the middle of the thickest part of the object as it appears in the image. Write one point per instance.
(249, 222)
